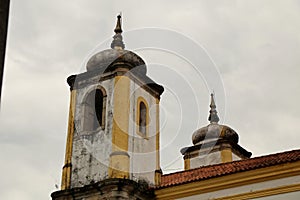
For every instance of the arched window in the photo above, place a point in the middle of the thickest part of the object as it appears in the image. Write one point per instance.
(95, 110)
(142, 118)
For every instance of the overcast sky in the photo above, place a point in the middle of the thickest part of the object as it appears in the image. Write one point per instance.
(248, 52)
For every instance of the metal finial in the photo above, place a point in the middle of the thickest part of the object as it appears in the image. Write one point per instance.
(118, 28)
(213, 114)
(117, 42)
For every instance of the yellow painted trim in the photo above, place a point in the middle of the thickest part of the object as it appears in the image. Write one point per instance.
(157, 135)
(139, 100)
(229, 181)
(66, 174)
(121, 106)
(226, 155)
(158, 171)
(263, 193)
(187, 164)
(157, 178)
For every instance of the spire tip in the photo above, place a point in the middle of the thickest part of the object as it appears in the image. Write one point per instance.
(118, 28)
(117, 42)
(213, 114)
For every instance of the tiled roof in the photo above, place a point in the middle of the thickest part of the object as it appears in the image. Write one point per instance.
(212, 171)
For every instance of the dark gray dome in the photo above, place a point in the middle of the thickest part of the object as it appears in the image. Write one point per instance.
(110, 59)
(215, 131)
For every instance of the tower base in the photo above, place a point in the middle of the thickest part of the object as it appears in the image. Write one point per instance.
(108, 189)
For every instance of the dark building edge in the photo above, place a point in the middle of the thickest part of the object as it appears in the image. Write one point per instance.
(4, 12)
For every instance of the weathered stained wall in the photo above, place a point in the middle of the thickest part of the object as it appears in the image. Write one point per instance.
(91, 149)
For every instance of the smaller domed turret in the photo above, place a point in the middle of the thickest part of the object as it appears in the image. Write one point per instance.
(214, 131)
(213, 144)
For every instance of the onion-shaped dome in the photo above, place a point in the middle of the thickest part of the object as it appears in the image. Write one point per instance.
(214, 131)
(110, 59)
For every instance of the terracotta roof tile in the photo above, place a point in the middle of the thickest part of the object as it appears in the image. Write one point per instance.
(212, 171)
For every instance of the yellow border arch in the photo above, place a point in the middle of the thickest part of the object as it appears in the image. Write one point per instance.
(138, 102)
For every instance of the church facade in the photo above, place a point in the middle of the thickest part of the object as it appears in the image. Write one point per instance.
(113, 143)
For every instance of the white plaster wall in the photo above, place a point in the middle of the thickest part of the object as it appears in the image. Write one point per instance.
(246, 188)
(91, 149)
(235, 157)
(142, 150)
(208, 159)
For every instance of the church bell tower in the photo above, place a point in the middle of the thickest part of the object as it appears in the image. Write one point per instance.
(112, 148)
